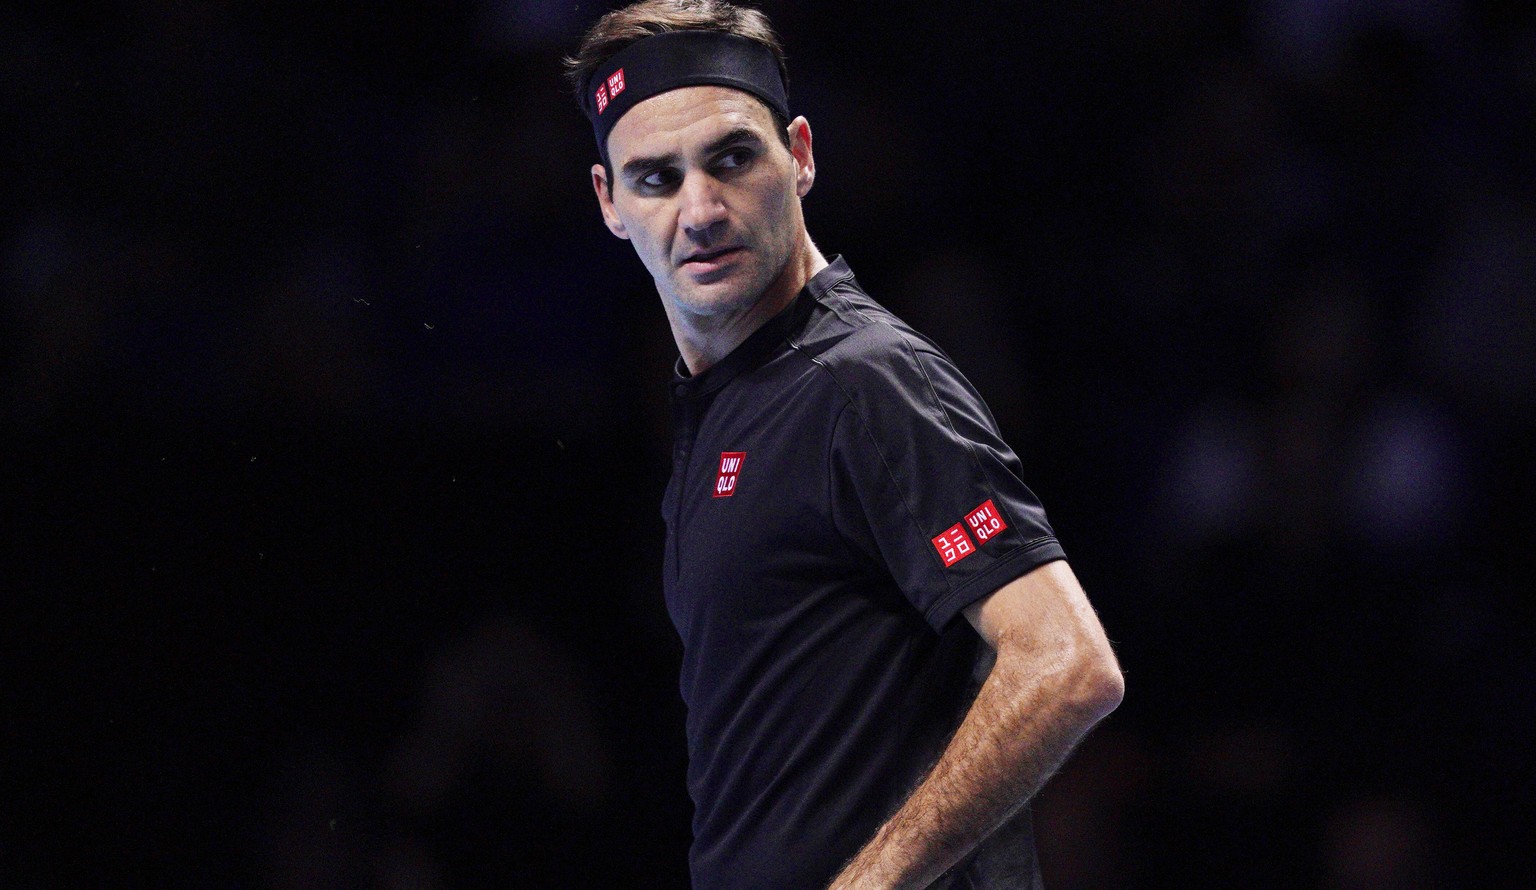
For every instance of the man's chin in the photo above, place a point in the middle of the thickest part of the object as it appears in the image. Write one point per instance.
(722, 297)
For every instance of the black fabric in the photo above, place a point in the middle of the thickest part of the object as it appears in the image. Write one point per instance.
(823, 664)
(676, 59)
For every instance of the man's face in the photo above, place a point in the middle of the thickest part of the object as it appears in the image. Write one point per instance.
(707, 193)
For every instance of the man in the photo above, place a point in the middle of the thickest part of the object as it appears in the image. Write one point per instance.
(839, 497)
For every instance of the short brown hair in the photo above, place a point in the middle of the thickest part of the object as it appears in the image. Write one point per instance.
(626, 25)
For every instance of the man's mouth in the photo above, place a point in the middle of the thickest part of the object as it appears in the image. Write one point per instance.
(709, 257)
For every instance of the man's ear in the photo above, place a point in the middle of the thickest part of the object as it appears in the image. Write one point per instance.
(805, 162)
(605, 202)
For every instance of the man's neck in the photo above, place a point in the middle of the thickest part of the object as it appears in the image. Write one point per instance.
(704, 340)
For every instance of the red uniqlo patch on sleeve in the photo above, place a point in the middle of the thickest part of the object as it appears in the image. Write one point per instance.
(730, 468)
(985, 522)
(954, 545)
(616, 83)
(602, 98)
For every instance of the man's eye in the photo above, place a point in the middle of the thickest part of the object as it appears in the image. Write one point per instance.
(736, 158)
(659, 179)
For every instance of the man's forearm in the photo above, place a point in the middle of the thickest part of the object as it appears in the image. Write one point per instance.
(1021, 727)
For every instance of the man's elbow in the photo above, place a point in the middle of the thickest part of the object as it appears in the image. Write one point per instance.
(1098, 686)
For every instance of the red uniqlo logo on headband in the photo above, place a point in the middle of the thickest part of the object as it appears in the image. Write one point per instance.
(985, 522)
(954, 545)
(602, 98)
(616, 84)
(730, 468)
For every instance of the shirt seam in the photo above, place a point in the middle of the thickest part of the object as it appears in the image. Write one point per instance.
(827, 461)
(970, 446)
(884, 462)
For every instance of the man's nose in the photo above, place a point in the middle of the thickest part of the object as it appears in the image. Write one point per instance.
(703, 207)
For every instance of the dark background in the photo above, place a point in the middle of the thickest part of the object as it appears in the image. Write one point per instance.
(333, 429)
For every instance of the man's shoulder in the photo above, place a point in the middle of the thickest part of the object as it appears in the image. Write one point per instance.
(862, 344)
(849, 328)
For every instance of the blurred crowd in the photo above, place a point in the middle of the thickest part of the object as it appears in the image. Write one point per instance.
(333, 426)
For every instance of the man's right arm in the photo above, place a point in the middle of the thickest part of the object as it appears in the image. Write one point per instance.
(1055, 677)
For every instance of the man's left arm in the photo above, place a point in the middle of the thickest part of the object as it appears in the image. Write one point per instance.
(1055, 677)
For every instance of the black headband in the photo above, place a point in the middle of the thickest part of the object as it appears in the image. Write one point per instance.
(675, 59)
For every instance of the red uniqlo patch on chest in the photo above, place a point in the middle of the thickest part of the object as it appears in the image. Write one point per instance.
(985, 522)
(616, 84)
(730, 468)
(954, 545)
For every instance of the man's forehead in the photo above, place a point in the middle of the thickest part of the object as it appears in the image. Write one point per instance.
(683, 119)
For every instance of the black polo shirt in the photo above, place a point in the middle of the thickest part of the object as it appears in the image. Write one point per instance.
(839, 494)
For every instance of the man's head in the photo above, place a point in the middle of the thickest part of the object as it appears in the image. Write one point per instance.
(701, 172)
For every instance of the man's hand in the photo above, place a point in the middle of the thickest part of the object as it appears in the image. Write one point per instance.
(1055, 677)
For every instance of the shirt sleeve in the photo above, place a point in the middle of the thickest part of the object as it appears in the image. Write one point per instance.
(922, 482)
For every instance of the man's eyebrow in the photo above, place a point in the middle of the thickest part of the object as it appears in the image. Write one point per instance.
(636, 166)
(740, 134)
